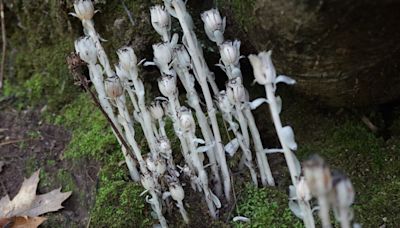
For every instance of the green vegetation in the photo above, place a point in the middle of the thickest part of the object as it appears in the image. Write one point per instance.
(242, 11)
(265, 207)
(118, 201)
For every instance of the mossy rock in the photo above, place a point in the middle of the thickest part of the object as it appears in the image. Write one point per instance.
(345, 53)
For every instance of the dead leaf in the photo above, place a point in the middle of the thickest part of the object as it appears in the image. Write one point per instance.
(26, 222)
(4, 222)
(27, 203)
(48, 202)
(24, 199)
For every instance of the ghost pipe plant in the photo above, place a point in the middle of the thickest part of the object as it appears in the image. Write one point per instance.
(265, 74)
(86, 49)
(181, 63)
(342, 199)
(177, 8)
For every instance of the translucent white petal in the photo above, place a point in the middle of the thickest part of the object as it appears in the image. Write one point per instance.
(232, 147)
(285, 79)
(288, 137)
(295, 208)
(257, 102)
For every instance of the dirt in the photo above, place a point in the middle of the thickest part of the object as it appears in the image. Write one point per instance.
(27, 144)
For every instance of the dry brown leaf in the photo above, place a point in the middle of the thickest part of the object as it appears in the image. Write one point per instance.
(4, 222)
(26, 222)
(27, 203)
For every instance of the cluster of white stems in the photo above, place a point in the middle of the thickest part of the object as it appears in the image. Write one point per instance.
(121, 94)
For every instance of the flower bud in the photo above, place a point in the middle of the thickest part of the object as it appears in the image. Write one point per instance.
(318, 176)
(127, 58)
(161, 167)
(84, 9)
(167, 85)
(344, 191)
(223, 102)
(161, 20)
(162, 56)
(156, 110)
(214, 25)
(151, 165)
(113, 87)
(182, 56)
(177, 192)
(264, 70)
(230, 52)
(122, 73)
(86, 49)
(186, 119)
(147, 182)
(236, 91)
(164, 145)
(302, 190)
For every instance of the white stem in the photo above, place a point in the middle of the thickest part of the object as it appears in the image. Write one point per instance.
(161, 125)
(261, 157)
(245, 139)
(201, 173)
(194, 102)
(344, 218)
(324, 211)
(270, 91)
(173, 105)
(201, 68)
(183, 212)
(157, 208)
(307, 213)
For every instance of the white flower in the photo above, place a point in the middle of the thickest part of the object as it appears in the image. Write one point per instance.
(236, 91)
(167, 84)
(224, 103)
(122, 73)
(177, 192)
(162, 56)
(147, 182)
(161, 167)
(230, 52)
(344, 191)
(84, 9)
(164, 145)
(318, 176)
(214, 25)
(182, 56)
(156, 110)
(302, 190)
(161, 20)
(113, 87)
(264, 70)
(186, 119)
(127, 58)
(86, 49)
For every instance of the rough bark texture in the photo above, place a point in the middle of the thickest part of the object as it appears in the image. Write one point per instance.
(345, 53)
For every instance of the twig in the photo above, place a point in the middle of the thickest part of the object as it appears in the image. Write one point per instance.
(128, 12)
(369, 124)
(74, 63)
(13, 141)
(4, 39)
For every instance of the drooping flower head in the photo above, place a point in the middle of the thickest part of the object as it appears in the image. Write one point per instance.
(113, 87)
(162, 56)
(264, 70)
(214, 25)
(167, 84)
(86, 49)
(84, 9)
(161, 20)
(182, 57)
(230, 52)
(156, 110)
(127, 58)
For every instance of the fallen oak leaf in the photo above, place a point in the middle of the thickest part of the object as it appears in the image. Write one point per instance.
(27, 203)
(26, 222)
(48, 202)
(23, 200)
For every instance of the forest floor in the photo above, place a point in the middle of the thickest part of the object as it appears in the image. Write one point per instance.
(84, 158)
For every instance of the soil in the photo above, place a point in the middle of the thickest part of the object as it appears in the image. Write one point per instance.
(27, 144)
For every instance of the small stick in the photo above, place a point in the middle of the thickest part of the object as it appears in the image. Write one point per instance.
(13, 141)
(4, 39)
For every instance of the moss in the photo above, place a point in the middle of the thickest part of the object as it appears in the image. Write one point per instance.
(265, 207)
(242, 10)
(118, 201)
